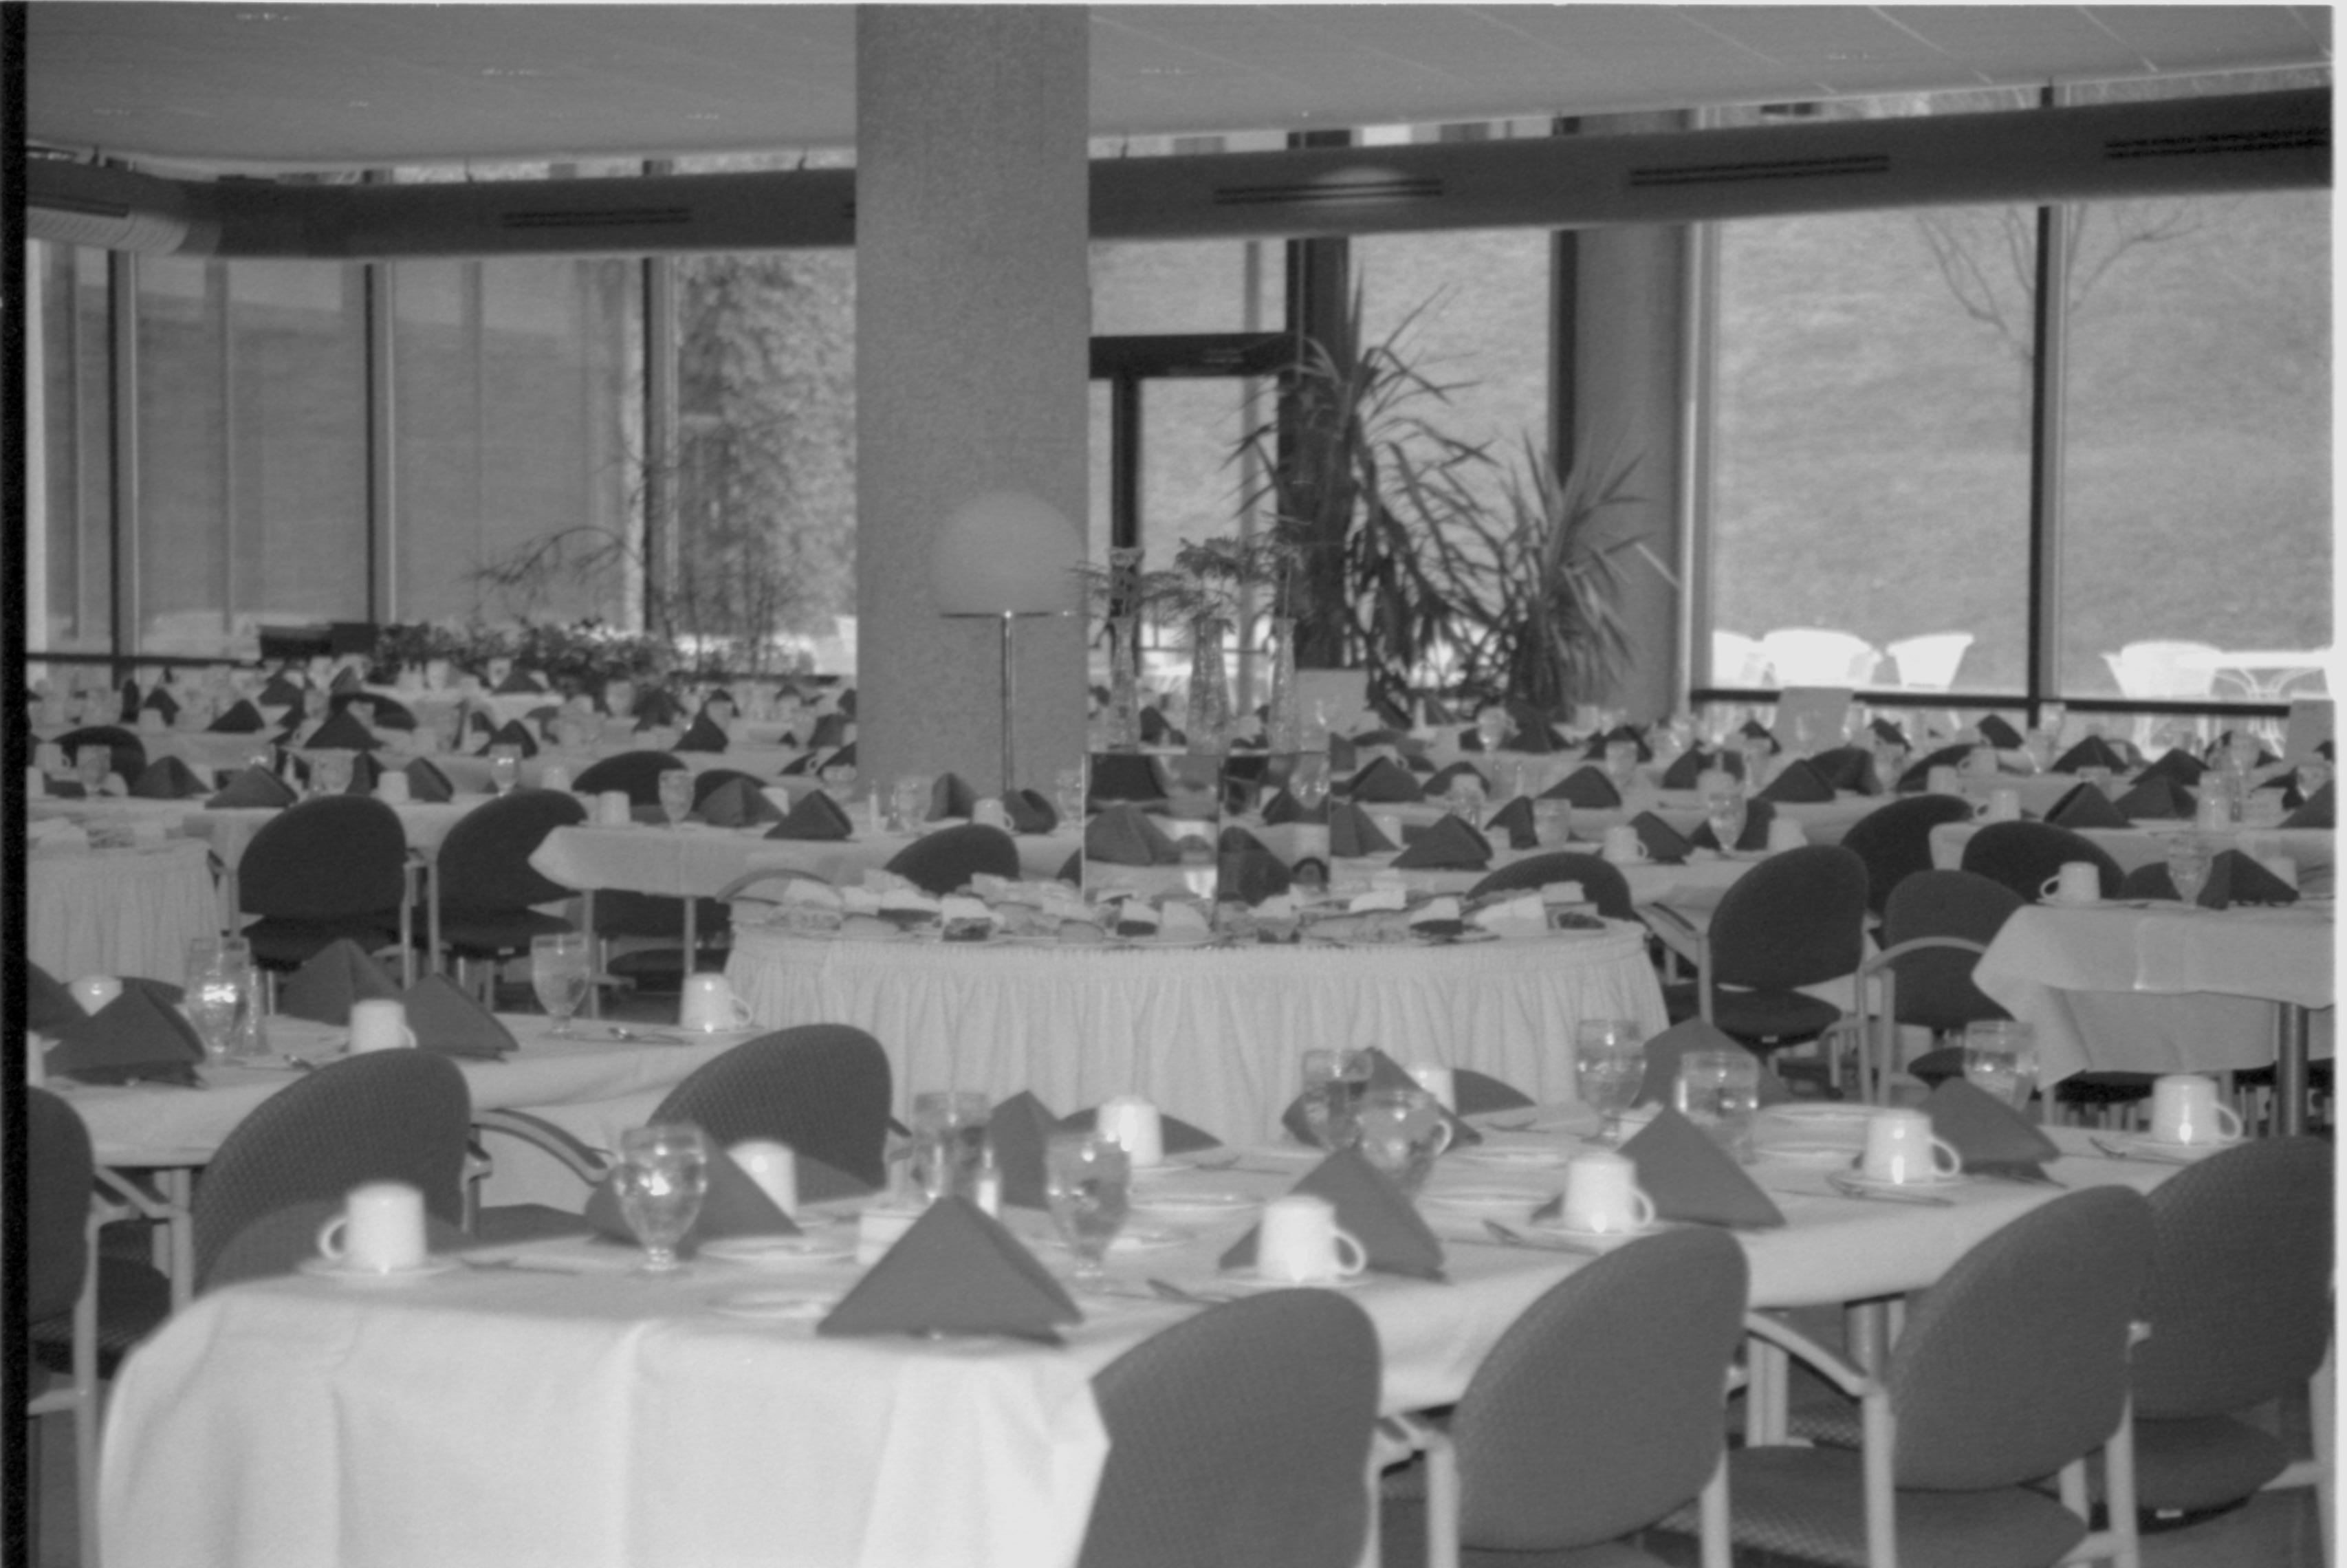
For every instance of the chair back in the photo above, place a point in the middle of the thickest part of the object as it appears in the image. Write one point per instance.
(1602, 882)
(2015, 1362)
(326, 856)
(484, 863)
(942, 861)
(1895, 840)
(637, 774)
(824, 1089)
(1600, 1409)
(2026, 855)
(280, 1241)
(387, 1116)
(1239, 1438)
(1935, 989)
(130, 751)
(2240, 1292)
(2164, 668)
(59, 1170)
(1797, 918)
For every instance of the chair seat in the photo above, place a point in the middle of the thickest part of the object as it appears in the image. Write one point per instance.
(1759, 1019)
(1809, 1503)
(1401, 1537)
(133, 1299)
(2205, 1461)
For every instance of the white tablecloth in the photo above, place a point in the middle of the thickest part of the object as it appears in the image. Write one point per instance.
(2313, 848)
(119, 911)
(698, 860)
(1212, 1035)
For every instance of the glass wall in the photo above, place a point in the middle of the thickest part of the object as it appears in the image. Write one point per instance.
(76, 544)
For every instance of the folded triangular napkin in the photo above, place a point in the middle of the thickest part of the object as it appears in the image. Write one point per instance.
(2236, 878)
(514, 732)
(1919, 774)
(1284, 808)
(1384, 782)
(1585, 787)
(1660, 1085)
(241, 718)
(162, 701)
(1449, 846)
(1798, 782)
(1439, 783)
(951, 796)
(1515, 819)
(1175, 1136)
(2086, 807)
(1351, 833)
(814, 814)
(1665, 844)
(168, 778)
(2156, 800)
(1595, 750)
(1157, 729)
(337, 975)
(1379, 1215)
(518, 683)
(365, 773)
(1848, 768)
(280, 690)
(254, 787)
(137, 1038)
(47, 1003)
(658, 708)
(1758, 814)
(734, 1204)
(426, 782)
(1123, 835)
(843, 758)
(1996, 731)
(1017, 1130)
(1686, 772)
(957, 1271)
(2094, 752)
(2318, 811)
(1992, 1137)
(1344, 757)
(1123, 775)
(2175, 763)
(1385, 1072)
(701, 735)
(1754, 729)
(1690, 1177)
(1029, 812)
(737, 803)
(445, 1019)
(342, 732)
(1533, 734)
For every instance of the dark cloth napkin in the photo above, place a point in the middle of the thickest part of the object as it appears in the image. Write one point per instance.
(1585, 787)
(1384, 782)
(346, 679)
(1236, 840)
(241, 718)
(1351, 834)
(1344, 757)
(2094, 752)
(426, 782)
(137, 1038)
(843, 758)
(1993, 1138)
(798, 766)
(1440, 781)
(830, 729)
(1690, 1177)
(254, 787)
(1888, 731)
(1660, 1085)
(168, 778)
(1029, 812)
(1381, 1216)
(1449, 846)
(701, 735)
(1996, 731)
(1848, 768)
(814, 814)
(951, 796)
(657, 709)
(47, 1003)
(160, 701)
(365, 773)
(1125, 836)
(958, 1270)
(1385, 1072)
(1126, 775)
(336, 975)
(342, 732)
(1533, 731)
(2175, 763)
(1919, 773)
(445, 1019)
(1799, 780)
(520, 682)
(514, 732)
(1595, 750)
(2156, 800)
(2236, 878)
(1754, 729)
(1174, 1135)
(280, 691)
(1157, 729)
(1017, 1130)
(1665, 844)
(1284, 808)
(2086, 807)
(1515, 819)
(2318, 811)
(737, 803)
(1758, 814)
(734, 1204)
(65, 789)
(1687, 770)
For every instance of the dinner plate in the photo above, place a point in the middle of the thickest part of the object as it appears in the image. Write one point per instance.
(1933, 1183)
(1498, 1200)
(1148, 1238)
(779, 1251)
(1197, 1208)
(340, 1269)
(1809, 1156)
(1574, 1233)
(1516, 1156)
(775, 1306)
(1248, 1280)
(1821, 1118)
(2159, 1148)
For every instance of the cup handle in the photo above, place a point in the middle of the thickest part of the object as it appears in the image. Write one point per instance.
(1359, 1259)
(1952, 1165)
(2229, 1121)
(1444, 1141)
(2045, 889)
(329, 1245)
(740, 1012)
(1643, 1207)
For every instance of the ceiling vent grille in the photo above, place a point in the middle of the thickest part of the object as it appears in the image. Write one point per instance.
(2286, 138)
(596, 218)
(1746, 173)
(1343, 192)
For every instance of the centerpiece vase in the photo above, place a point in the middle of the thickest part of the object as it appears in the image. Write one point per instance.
(1284, 723)
(1208, 721)
(1122, 718)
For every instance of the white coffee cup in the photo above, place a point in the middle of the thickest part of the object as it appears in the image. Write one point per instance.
(1602, 1194)
(613, 809)
(1900, 1147)
(774, 1167)
(392, 787)
(379, 1231)
(380, 1023)
(2003, 806)
(1299, 1242)
(2185, 1110)
(2079, 882)
(881, 1223)
(1439, 1082)
(1623, 847)
(95, 991)
(1785, 833)
(1133, 1123)
(709, 1005)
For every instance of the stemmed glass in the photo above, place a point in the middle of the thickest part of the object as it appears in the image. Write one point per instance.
(1088, 1181)
(910, 802)
(1622, 765)
(1466, 799)
(558, 972)
(676, 794)
(218, 996)
(1723, 808)
(1068, 796)
(505, 768)
(2001, 1057)
(1333, 1080)
(1492, 726)
(1609, 1065)
(662, 1176)
(2187, 865)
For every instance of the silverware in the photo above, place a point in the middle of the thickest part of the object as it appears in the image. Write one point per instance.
(633, 1037)
(1882, 1195)
(2114, 1153)
(1508, 1236)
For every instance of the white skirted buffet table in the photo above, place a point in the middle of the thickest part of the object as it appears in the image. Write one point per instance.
(127, 911)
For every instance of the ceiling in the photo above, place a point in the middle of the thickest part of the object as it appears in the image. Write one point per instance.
(258, 84)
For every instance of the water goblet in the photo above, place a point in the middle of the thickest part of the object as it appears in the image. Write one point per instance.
(1068, 796)
(1331, 1081)
(676, 794)
(1466, 799)
(1402, 1132)
(1609, 1064)
(505, 768)
(2001, 1058)
(1723, 809)
(1088, 1182)
(1494, 727)
(1622, 764)
(92, 764)
(559, 973)
(908, 802)
(661, 1178)
(949, 1132)
(219, 994)
(2187, 865)
(1719, 1091)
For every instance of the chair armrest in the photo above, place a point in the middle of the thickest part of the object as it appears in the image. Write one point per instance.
(1850, 1379)
(1408, 1433)
(588, 1164)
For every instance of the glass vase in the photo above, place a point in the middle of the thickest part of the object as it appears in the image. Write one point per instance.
(1121, 720)
(1209, 717)
(1284, 723)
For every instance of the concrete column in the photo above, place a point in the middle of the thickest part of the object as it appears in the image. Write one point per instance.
(972, 342)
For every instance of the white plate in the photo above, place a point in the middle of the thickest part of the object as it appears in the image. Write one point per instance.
(775, 1306)
(1930, 1184)
(1573, 1233)
(1808, 1155)
(1248, 1280)
(1817, 1118)
(1197, 1208)
(340, 1269)
(2159, 1148)
(1147, 1238)
(1515, 1157)
(1497, 1201)
(779, 1251)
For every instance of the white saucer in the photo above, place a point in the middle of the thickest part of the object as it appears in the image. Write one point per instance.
(1248, 1280)
(1515, 1157)
(1496, 1200)
(2159, 1148)
(779, 1251)
(1808, 1155)
(1147, 1238)
(340, 1269)
(1573, 1233)
(1197, 1208)
(1817, 1119)
(775, 1306)
(1930, 1184)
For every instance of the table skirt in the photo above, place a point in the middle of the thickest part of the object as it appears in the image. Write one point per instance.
(119, 911)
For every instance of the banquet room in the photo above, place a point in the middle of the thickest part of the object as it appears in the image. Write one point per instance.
(1139, 784)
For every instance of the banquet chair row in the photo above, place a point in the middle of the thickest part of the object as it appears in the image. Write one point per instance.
(60, 1293)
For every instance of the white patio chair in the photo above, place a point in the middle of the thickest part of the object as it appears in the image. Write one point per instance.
(1814, 656)
(1929, 664)
(1736, 660)
(2167, 671)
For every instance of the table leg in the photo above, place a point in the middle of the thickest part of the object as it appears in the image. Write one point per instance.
(594, 952)
(2292, 1026)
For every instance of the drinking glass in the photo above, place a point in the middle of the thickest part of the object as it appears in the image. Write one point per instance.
(2001, 1057)
(1719, 1091)
(1088, 1181)
(505, 768)
(1723, 808)
(330, 772)
(1309, 784)
(1622, 764)
(662, 1176)
(1068, 796)
(676, 794)
(949, 1141)
(1467, 799)
(1401, 1133)
(2187, 865)
(219, 993)
(91, 766)
(908, 802)
(559, 973)
(1331, 1081)
(1492, 725)
(1609, 1064)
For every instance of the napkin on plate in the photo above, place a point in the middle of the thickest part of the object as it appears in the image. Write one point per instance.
(2156, 800)
(1439, 783)
(253, 786)
(1595, 750)
(1586, 787)
(514, 732)
(2236, 878)
(137, 1038)
(1996, 731)
(2084, 805)
(814, 814)
(47, 1003)
(168, 778)
(426, 782)
(1665, 844)
(737, 803)
(447, 1021)
(843, 758)
(1175, 1136)
(2094, 752)
(830, 729)
(280, 691)
(1690, 1177)
(520, 682)
(339, 731)
(1029, 812)
(1125, 836)
(1284, 808)
(1660, 1085)
(951, 796)
(2318, 811)
(957, 1271)
(1799, 780)
(2175, 763)
(1848, 768)
(1449, 846)
(1384, 782)
(1686, 772)
(162, 701)
(1017, 1129)
(1754, 729)
(1888, 731)
(1758, 814)
(335, 976)
(1385, 1072)
(1157, 729)
(1515, 819)
(734, 1204)
(1919, 773)
(1351, 833)
(1124, 775)
(241, 718)
(1993, 1138)
(1344, 755)
(1379, 1215)
(701, 735)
